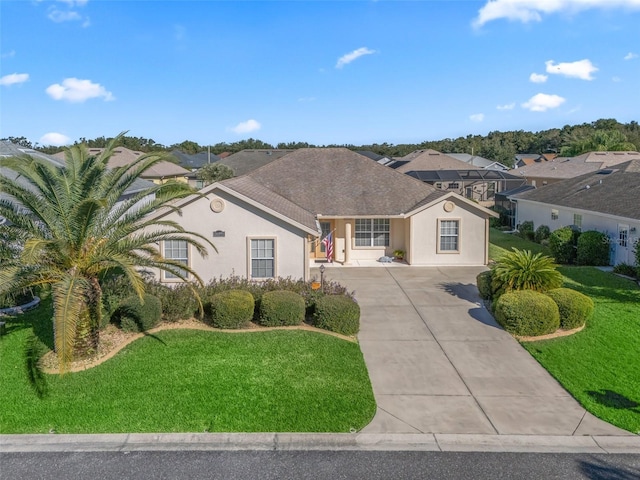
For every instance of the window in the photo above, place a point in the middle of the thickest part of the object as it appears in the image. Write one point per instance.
(263, 258)
(449, 236)
(438, 184)
(623, 235)
(554, 214)
(177, 250)
(577, 220)
(372, 232)
(453, 186)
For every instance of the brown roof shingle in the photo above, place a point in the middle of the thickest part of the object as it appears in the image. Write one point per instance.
(432, 160)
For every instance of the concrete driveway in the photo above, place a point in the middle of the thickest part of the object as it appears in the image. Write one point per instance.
(439, 363)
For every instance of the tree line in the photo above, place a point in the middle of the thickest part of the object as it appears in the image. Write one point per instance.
(570, 140)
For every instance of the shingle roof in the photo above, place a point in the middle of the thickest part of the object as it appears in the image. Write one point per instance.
(248, 160)
(612, 191)
(340, 182)
(431, 160)
(477, 161)
(195, 160)
(563, 167)
(463, 175)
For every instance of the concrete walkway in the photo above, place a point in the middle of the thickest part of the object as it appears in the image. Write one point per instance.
(440, 364)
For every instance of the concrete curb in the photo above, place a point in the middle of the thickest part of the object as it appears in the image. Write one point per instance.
(318, 441)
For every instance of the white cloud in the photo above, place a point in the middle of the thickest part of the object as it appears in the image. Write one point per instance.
(630, 56)
(60, 16)
(532, 10)
(56, 139)
(68, 14)
(14, 78)
(538, 78)
(246, 127)
(616, 79)
(10, 54)
(476, 117)
(581, 69)
(508, 106)
(543, 102)
(350, 57)
(75, 90)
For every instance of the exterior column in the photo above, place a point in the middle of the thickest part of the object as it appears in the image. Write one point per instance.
(347, 243)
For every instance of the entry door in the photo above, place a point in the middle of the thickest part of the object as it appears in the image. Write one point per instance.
(622, 250)
(320, 250)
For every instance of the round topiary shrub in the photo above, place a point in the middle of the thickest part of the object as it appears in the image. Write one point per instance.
(281, 307)
(231, 309)
(133, 315)
(542, 233)
(527, 313)
(593, 249)
(562, 243)
(337, 313)
(574, 307)
(483, 281)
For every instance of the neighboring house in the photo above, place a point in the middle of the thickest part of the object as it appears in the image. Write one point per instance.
(194, 161)
(560, 168)
(526, 159)
(159, 173)
(381, 159)
(606, 200)
(246, 161)
(479, 162)
(271, 222)
(429, 160)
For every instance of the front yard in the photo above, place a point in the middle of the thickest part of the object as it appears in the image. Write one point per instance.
(599, 366)
(194, 381)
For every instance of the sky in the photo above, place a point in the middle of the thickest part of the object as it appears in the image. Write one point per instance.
(323, 72)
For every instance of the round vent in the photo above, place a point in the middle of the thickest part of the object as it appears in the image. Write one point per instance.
(449, 206)
(217, 205)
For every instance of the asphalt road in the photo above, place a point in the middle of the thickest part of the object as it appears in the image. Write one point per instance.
(297, 465)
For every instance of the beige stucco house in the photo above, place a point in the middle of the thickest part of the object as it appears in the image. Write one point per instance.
(270, 222)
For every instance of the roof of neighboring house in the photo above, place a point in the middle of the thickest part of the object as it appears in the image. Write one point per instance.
(248, 160)
(340, 182)
(194, 161)
(123, 156)
(528, 156)
(462, 175)
(514, 191)
(612, 191)
(478, 161)
(430, 160)
(569, 167)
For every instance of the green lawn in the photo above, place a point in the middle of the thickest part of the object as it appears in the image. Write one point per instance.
(195, 381)
(501, 243)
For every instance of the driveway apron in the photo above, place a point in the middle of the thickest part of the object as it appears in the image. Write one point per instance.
(439, 363)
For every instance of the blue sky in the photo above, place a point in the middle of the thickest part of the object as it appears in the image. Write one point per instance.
(322, 72)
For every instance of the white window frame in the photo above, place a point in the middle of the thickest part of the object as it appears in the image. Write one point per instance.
(441, 235)
(167, 276)
(555, 214)
(577, 220)
(372, 232)
(623, 235)
(250, 257)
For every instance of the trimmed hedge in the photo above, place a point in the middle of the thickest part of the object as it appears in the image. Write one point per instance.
(527, 313)
(281, 307)
(337, 313)
(562, 243)
(231, 309)
(483, 281)
(574, 307)
(132, 315)
(593, 249)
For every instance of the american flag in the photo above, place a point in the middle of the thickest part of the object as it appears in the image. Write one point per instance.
(328, 246)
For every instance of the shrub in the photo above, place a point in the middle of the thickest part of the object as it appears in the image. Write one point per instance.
(592, 248)
(483, 280)
(525, 230)
(625, 269)
(542, 233)
(523, 270)
(132, 315)
(562, 243)
(281, 307)
(115, 289)
(574, 307)
(527, 313)
(636, 251)
(179, 301)
(337, 313)
(231, 308)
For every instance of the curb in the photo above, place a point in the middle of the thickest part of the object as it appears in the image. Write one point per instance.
(127, 442)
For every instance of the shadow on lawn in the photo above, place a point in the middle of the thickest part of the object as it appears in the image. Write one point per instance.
(611, 399)
(600, 469)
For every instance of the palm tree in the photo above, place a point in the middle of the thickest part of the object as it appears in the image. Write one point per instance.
(78, 225)
(522, 270)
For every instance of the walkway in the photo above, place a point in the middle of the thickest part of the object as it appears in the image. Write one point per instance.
(440, 364)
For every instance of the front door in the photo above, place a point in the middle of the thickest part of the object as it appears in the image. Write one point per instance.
(320, 248)
(622, 249)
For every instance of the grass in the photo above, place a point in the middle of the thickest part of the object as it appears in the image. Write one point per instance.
(501, 243)
(193, 381)
(599, 366)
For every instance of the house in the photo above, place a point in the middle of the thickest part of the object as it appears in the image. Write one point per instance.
(194, 161)
(381, 159)
(271, 221)
(560, 168)
(248, 160)
(429, 160)
(607, 200)
(159, 173)
(477, 161)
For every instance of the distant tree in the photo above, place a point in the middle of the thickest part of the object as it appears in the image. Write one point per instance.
(21, 141)
(599, 141)
(187, 147)
(214, 172)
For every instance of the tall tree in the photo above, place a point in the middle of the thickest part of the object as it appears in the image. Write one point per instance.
(214, 172)
(77, 227)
